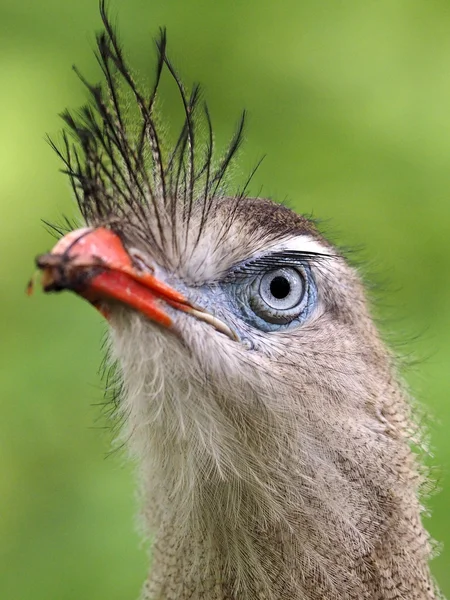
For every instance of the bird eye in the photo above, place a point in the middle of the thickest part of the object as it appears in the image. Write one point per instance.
(278, 295)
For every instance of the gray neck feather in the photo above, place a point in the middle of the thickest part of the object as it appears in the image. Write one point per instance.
(304, 490)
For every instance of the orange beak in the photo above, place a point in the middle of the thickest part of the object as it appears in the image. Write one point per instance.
(94, 264)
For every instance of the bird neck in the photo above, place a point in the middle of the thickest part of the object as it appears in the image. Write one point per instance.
(227, 539)
(245, 531)
(305, 493)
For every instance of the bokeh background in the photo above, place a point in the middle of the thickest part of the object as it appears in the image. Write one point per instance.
(349, 100)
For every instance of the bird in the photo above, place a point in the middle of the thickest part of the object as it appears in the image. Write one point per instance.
(275, 441)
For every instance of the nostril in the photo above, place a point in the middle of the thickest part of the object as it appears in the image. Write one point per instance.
(140, 261)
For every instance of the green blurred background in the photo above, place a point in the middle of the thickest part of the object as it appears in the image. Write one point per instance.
(350, 100)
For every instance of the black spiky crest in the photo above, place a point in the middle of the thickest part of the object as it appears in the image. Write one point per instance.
(121, 172)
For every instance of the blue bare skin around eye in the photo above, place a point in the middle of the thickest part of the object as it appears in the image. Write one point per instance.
(230, 302)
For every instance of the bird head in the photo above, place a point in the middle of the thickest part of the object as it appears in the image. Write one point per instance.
(256, 392)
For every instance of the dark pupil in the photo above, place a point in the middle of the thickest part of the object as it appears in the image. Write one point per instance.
(280, 287)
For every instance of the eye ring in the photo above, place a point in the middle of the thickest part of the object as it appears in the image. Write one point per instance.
(279, 295)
